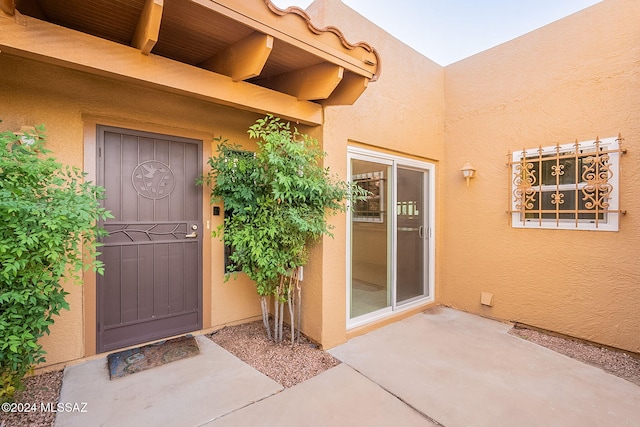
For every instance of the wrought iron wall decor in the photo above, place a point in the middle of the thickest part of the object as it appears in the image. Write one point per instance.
(566, 184)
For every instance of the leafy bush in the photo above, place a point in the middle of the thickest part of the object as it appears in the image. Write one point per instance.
(279, 198)
(48, 217)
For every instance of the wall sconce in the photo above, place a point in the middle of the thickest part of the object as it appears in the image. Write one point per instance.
(468, 172)
(27, 135)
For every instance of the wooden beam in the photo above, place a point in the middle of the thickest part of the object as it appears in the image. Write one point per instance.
(295, 33)
(244, 59)
(8, 7)
(52, 44)
(148, 29)
(27, 7)
(311, 83)
(348, 91)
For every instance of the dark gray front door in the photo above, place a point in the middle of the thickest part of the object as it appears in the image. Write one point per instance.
(152, 286)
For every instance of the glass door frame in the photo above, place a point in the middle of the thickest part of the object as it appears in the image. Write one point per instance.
(395, 161)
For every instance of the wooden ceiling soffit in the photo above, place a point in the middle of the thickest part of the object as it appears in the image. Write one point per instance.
(308, 84)
(53, 44)
(348, 91)
(293, 26)
(8, 7)
(242, 60)
(148, 29)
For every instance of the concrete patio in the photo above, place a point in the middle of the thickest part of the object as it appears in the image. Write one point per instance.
(441, 367)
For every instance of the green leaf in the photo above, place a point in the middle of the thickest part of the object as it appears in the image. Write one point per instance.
(276, 200)
(49, 216)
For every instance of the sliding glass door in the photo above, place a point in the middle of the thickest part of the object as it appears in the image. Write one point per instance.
(390, 234)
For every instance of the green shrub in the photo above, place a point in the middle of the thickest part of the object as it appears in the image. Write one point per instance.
(279, 198)
(48, 217)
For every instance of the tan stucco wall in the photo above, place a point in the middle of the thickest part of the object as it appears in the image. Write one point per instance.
(577, 78)
(70, 103)
(574, 79)
(401, 113)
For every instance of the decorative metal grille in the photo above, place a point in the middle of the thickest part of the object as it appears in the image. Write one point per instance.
(566, 186)
(120, 233)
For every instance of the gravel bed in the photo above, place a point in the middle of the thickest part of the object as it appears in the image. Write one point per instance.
(616, 362)
(39, 389)
(280, 362)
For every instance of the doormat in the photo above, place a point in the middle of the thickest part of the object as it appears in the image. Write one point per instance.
(134, 360)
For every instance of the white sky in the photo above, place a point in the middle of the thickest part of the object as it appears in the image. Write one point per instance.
(446, 31)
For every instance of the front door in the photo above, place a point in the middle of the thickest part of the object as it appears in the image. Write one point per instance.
(152, 285)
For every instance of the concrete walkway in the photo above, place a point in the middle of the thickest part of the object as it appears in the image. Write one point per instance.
(465, 370)
(187, 392)
(442, 367)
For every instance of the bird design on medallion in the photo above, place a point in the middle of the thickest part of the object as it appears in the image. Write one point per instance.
(153, 179)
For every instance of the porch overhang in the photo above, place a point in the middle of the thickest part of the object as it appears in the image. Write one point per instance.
(242, 53)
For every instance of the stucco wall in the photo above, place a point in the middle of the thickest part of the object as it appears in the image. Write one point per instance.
(402, 113)
(577, 78)
(70, 103)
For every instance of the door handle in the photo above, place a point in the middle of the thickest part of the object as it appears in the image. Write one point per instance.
(193, 234)
(421, 232)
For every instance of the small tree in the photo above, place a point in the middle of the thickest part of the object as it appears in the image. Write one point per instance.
(48, 216)
(276, 202)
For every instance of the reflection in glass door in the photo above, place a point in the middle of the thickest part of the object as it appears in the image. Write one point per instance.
(370, 239)
(390, 235)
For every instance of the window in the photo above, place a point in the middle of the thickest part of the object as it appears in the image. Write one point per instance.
(229, 265)
(236, 156)
(571, 186)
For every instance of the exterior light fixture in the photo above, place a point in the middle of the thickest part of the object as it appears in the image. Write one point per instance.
(468, 172)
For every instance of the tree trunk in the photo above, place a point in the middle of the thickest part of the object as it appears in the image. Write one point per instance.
(264, 305)
(276, 312)
(291, 304)
(281, 303)
(299, 302)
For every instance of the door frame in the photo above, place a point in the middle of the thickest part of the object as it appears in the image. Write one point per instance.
(98, 174)
(395, 161)
(90, 163)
